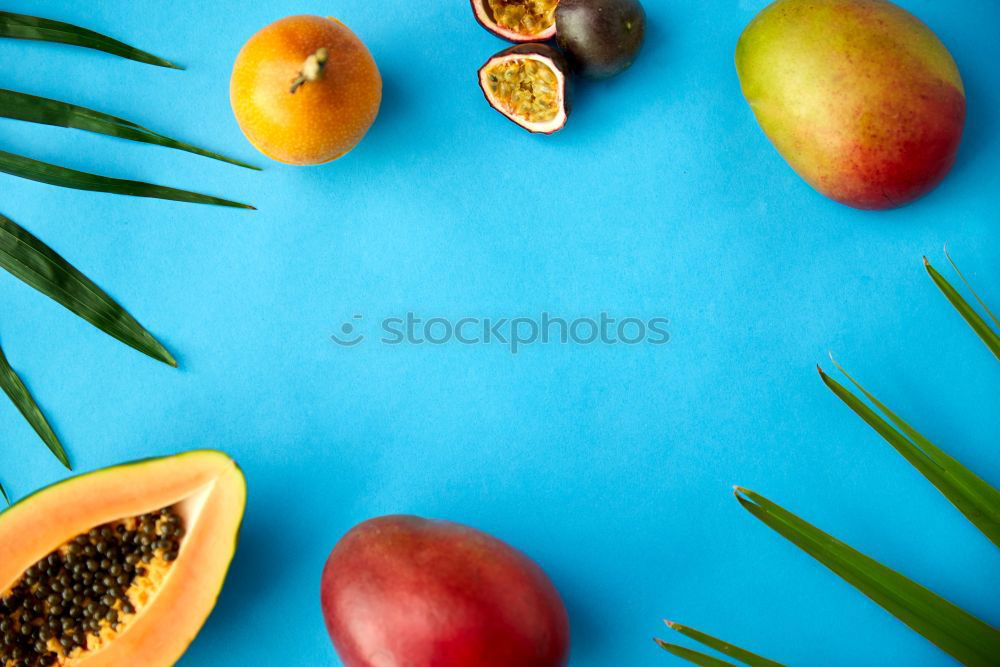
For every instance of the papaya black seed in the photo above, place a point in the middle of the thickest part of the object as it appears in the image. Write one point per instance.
(79, 589)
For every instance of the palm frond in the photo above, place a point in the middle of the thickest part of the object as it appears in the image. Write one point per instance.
(972, 495)
(20, 26)
(958, 633)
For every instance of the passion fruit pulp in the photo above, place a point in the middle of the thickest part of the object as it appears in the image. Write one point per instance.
(528, 84)
(601, 37)
(517, 20)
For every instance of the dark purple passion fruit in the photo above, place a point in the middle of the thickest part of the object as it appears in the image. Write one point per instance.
(517, 20)
(528, 84)
(601, 37)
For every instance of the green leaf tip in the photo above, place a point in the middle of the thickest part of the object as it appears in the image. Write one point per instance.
(3, 492)
(953, 630)
(37, 265)
(973, 496)
(45, 111)
(21, 26)
(982, 328)
(723, 647)
(694, 657)
(961, 275)
(51, 174)
(22, 399)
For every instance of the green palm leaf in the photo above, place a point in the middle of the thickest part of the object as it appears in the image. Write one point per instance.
(958, 633)
(3, 492)
(21, 397)
(19, 26)
(722, 647)
(35, 263)
(21, 106)
(978, 324)
(79, 180)
(694, 657)
(961, 275)
(972, 495)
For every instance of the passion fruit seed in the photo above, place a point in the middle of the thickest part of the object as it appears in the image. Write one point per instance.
(526, 17)
(86, 590)
(527, 88)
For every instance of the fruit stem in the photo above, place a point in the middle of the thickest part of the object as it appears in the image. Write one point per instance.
(312, 69)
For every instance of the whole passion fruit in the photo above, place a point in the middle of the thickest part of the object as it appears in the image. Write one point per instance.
(518, 20)
(602, 37)
(528, 84)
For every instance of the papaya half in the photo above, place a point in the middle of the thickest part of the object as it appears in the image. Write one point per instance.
(120, 566)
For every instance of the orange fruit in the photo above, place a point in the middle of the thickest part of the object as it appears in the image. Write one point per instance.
(305, 90)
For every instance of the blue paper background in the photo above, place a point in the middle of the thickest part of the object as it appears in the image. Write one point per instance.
(610, 465)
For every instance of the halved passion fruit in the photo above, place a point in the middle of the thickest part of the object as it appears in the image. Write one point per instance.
(518, 20)
(120, 566)
(528, 84)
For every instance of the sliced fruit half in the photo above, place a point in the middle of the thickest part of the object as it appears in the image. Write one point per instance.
(528, 84)
(518, 20)
(120, 566)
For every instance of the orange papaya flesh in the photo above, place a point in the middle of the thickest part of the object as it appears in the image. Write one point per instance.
(120, 566)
